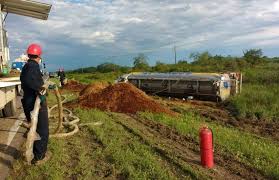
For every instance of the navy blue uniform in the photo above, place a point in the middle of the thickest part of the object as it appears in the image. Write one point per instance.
(62, 76)
(31, 82)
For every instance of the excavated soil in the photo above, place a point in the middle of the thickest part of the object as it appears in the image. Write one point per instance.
(93, 88)
(223, 114)
(74, 86)
(124, 98)
(180, 151)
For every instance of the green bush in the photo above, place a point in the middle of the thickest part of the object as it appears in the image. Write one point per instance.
(268, 74)
(94, 77)
(258, 101)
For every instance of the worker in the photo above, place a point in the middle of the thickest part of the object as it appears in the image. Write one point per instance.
(62, 76)
(32, 85)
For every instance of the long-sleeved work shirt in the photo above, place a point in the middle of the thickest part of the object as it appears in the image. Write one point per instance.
(31, 79)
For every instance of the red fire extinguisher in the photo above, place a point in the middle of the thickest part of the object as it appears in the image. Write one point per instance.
(206, 147)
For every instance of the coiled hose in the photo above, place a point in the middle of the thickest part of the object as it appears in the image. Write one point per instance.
(66, 119)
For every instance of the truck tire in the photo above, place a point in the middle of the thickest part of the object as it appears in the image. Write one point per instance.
(10, 108)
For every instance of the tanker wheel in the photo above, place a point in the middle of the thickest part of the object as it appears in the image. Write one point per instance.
(10, 108)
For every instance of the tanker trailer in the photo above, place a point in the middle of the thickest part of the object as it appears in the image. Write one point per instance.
(209, 86)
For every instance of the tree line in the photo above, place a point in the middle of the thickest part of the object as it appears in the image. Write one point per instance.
(198, 62)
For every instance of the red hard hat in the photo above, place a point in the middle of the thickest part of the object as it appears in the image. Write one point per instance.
(34, 49)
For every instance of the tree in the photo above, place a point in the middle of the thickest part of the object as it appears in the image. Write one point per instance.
(140, 62)
(161, 67)
(194, 56)
(182, 62)
(253, 56)
(107, 67)
(201, 59)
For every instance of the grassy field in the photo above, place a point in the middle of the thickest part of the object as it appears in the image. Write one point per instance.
(258, 101)
(107, 151)
(112, 151)
(94, 77)
(157, 146)
(259, 153)
(98, 152)
(259, 98)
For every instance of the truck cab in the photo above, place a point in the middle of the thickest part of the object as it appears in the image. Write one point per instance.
(18, 65)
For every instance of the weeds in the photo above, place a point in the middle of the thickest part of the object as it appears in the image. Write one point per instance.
(94, 77)
(256, 152)
(134, 159)
(258, 102)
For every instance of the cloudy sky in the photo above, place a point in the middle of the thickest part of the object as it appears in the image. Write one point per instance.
(82, 33)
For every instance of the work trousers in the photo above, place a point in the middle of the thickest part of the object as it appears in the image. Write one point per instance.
(62, 81)
(40, 146)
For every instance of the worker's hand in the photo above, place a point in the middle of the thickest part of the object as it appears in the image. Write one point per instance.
(52, 86)
(42, 91)
(42, 98)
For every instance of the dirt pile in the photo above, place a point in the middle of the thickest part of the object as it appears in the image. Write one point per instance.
(93, 88)
(124, 98)
(74, 85)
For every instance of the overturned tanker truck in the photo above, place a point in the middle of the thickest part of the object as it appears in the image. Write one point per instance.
(209, 86)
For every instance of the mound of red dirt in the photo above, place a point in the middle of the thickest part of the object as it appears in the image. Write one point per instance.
(74, 85)
(93, 88)
(124, 98)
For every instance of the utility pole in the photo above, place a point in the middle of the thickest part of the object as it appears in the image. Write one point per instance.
(174, 54)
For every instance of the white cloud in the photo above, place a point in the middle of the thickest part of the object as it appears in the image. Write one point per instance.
(261, 34)
(132, 20)
(269, 42)
(125, 26)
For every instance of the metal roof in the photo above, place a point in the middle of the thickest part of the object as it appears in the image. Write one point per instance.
(26, 8)
(177, 76)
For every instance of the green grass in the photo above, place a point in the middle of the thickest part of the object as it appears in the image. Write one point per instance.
(110, 151)
(72, 157)
(267, 74)
(256, 152)
(133, 158)
(258, 102)
(54, 169)
(259, 98)
(94, 77)
(98, 152)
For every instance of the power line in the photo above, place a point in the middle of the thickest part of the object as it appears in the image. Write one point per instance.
(169, 45)
(180, 44)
